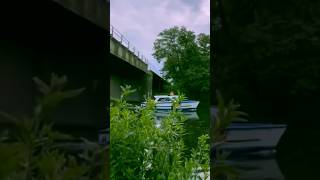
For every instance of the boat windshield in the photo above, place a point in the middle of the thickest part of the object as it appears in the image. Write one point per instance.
(164, 99)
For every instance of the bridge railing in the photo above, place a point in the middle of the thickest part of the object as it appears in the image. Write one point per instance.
(125, 42)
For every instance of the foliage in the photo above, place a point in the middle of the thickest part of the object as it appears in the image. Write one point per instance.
(140, 150)
(30, 150)
(266, 53)
(226, 114)
(186, 59)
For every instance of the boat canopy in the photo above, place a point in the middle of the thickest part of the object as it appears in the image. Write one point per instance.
(165, 96)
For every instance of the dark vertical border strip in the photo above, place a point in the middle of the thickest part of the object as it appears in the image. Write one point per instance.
(108, 82)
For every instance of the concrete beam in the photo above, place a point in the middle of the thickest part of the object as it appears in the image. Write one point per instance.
(117, 49)
(122, 73)
(95, 11)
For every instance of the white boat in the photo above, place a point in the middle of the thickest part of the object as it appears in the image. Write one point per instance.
(252, 136)
(192, 115)
(248, 137)
(160, 115)
(164, 102)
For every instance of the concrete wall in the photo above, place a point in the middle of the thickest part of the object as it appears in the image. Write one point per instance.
(95, 11)
(122, 52)
(123, 73)
(138, 83)
(158, 85)
(115, 83)
(43, 37)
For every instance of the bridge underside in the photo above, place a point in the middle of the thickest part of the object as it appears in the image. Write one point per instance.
(43, 37)
(122, 73)
(95, 11)
(158, 85)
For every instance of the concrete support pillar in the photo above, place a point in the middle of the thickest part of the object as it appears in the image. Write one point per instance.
(149, 77)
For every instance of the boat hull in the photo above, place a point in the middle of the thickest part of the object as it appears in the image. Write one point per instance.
(188, 115)
(252, 136)
(185, 105)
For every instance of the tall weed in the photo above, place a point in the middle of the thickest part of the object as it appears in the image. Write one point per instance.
(29, 151)
(140, 150)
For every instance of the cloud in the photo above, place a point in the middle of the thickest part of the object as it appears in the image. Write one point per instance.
(140, 21)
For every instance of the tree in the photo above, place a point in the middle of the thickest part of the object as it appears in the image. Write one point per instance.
(186, 57)
(268, 56)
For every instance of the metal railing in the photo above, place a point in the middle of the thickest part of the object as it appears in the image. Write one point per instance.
(125, 42)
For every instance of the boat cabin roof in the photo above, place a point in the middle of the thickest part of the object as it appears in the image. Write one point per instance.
(165, 96)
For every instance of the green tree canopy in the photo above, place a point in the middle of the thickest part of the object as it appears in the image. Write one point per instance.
(267, 55)
(186, 59)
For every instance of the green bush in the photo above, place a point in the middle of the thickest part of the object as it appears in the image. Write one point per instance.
(29, 150)
(140, 150)
(226, 114)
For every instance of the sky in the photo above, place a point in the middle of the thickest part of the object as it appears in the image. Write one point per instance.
(140, 21)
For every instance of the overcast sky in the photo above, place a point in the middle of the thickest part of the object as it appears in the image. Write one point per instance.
(140, 21)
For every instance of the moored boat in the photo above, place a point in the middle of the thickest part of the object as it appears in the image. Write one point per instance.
(252, 136)
(248, 137)
(164, 102)
(192, 115)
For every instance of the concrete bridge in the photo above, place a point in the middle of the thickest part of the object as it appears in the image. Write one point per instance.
(130, 67)
(69, 38)
(65, 37)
